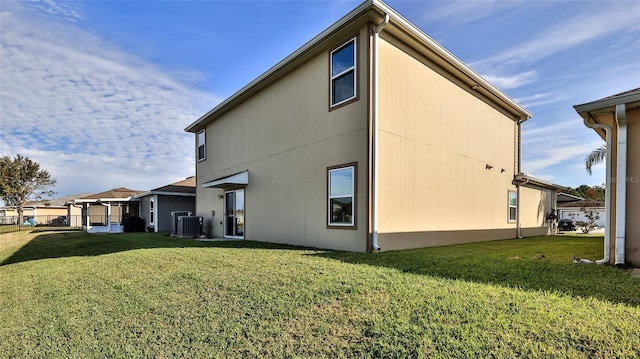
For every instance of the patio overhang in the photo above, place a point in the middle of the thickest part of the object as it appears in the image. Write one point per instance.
(235, 180)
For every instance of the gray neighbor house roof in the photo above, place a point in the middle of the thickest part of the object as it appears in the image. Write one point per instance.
(121, 194)
(185, 187)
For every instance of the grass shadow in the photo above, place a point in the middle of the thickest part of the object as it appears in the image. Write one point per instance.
(540, 264)
(59, 244)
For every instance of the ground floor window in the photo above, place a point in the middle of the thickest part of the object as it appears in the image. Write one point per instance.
(152, 209)
(513, 206)
(341, 196)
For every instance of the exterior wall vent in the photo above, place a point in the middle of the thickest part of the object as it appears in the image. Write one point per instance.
(189, 226)
(174, 220)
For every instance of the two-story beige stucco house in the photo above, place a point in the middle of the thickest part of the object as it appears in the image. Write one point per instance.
(617, 120)
(371, 136)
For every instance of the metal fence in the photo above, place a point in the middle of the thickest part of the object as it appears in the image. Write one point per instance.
(13, 224)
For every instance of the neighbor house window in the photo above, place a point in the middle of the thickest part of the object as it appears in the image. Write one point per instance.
(201, 145)
(152, 210)
(343, 73)
(513, 206)
(341, 196)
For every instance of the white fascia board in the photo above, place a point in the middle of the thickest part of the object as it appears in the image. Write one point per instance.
(310, 45)
(445, 54)
(396, 19)
(241, 179)
(164, 193)
(608, 102)
(93, 200)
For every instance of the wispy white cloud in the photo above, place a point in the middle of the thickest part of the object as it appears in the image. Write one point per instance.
(550, 148)
(539, 99)
(462, 12)
(512, 81)
(566, 34)
(92, 115)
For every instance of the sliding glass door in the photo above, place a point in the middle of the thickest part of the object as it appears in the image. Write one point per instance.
(234, 214)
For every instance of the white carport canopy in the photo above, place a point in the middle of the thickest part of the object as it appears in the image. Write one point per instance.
(238, 179)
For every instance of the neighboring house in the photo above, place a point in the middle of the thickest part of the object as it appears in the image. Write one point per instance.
(369, 137)
(44, 212)
(565, 197)
(105, 212)
(575, 210)
(617, 120)
(156, 205)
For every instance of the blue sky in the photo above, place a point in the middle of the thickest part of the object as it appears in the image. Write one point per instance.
(99, 92)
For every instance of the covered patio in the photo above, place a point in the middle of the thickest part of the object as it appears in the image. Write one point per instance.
(105, 212)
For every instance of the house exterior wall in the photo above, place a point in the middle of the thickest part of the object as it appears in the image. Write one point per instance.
(74, 213)
(535, 204)
(166, 204)
(632, 247)
(435, 142)
(144, 212)
(286, 137)
(632, 181)
(50, 211)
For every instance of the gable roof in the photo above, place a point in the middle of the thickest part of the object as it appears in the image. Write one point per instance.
(116, 194)
(185, 187)
(582, 203)
(605, 107)
(369, 11)
(529, 181)
(55, 202)
(609, 103)
(565, 197)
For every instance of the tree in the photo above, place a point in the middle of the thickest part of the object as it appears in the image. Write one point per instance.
(596, 156)
(589, 192)
(21, 180)
(590, 212)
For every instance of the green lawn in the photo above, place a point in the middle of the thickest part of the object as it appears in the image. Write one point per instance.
(73, 295)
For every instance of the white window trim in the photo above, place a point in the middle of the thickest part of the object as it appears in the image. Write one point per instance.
(353, 68)
(152, 211)
(353, 197)
(509, 206)
(204, 145)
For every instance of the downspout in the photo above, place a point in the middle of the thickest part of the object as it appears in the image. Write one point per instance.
(621, 184)
(607, 192)
(518, 228)
(518, 225)
(374, 97)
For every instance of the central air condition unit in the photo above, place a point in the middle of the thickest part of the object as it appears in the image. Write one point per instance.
(189, 226)
(174, 220)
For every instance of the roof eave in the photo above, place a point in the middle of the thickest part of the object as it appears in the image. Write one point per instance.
(287, 62)
(369, 10)
(475, 80)
(526, 180)
(607, 103)
(94, 200)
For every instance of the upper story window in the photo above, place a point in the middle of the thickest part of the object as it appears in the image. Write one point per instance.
(342, 195)
(201, 145)
(343, 73)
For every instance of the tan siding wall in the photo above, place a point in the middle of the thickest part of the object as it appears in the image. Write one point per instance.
(534, 206)
(632, 230)
(44, 211)
(435, 142)
(633, 187)
(286, 137)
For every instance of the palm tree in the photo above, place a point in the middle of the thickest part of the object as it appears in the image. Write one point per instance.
(596, 156)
